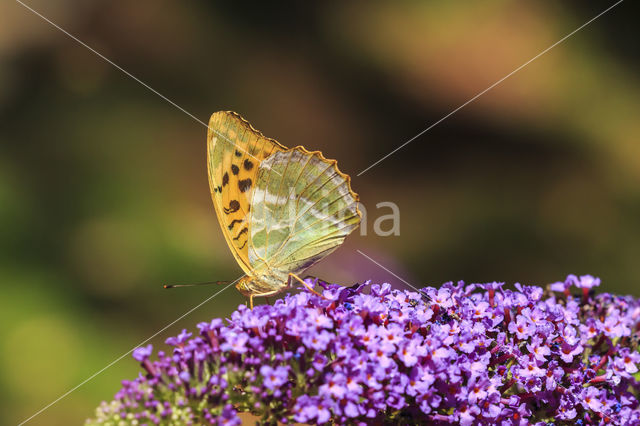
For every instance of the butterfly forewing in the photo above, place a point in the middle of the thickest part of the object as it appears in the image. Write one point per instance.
(234, 153)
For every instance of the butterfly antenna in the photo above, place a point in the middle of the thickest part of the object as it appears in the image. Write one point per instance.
(196, 284)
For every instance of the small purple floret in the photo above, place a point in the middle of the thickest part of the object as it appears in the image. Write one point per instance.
(143, 353)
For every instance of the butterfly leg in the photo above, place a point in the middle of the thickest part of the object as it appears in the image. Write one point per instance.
(267, 299)
(251, 301)
(305, 284)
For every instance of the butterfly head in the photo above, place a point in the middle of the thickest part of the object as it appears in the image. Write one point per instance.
(244, 286)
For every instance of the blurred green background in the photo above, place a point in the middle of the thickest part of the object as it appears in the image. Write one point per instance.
(103, 185)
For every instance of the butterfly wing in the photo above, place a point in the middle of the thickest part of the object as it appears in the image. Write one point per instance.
(234, 153)
(303, 209)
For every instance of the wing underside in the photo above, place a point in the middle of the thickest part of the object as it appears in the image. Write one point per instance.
(302, 209)
(234, 153)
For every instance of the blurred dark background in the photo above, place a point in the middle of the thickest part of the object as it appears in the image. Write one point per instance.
(103, 184)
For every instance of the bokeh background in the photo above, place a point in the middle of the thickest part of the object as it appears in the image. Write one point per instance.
(103, 185)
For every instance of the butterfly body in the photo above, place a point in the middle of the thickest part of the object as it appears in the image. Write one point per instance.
(281, 209)
(262, 286)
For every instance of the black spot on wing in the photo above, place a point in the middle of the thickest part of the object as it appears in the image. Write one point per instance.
(238, 153)
(243, 244)
(234, 169)
(234, 206)
(248, 165)
(243, 231)
(233, 222)
(244, 185)
(225, 179)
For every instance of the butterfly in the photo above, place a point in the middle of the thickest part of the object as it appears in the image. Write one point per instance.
(281, 209)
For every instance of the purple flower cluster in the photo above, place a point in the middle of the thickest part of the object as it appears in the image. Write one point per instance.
(460, 354)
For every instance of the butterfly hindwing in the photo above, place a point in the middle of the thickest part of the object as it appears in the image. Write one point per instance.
(303, 209)
(234, 153)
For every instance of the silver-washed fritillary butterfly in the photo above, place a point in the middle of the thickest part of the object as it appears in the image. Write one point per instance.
(281, 209)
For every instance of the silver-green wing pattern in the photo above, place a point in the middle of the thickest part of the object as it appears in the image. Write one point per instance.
(302, 209)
